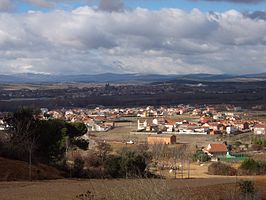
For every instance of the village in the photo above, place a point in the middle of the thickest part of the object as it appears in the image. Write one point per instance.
(217, 130)
(221, 119)
(181, 119)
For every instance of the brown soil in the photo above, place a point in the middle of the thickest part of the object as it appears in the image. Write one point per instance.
(127, 189)
(15, 170)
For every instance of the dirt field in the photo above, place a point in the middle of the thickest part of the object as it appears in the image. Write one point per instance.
(200, 186)
(211, 188)
(122, 133)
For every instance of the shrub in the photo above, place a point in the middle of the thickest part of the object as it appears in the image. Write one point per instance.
(128, 164)
(219, 168)
(251, 166)
(257, 147)
(95, 173)
(113, 166)
(81, 143)
(93, 160)
(133, 164)
(246, 187)
(200, 156)
(78, 168)
(86, 196)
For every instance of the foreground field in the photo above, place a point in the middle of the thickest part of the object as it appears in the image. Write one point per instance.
(211, 188)
(14, 170)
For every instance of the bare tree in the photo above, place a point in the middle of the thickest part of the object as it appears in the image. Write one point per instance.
(103, 150)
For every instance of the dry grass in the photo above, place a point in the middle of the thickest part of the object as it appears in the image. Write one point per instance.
(14, 170)
(127, 189)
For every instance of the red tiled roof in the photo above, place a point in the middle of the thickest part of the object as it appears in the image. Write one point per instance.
(260, 126)
(215, 148)
(99, 117)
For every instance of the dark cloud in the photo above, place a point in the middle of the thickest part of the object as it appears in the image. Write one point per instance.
(256, 15)
(6, 5)
(111, 5)
(50, 3)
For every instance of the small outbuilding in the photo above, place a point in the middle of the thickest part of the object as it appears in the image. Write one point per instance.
(161, 139)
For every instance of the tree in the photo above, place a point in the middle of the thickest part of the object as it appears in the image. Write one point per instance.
(133, 164)
(200, 156)
(53, 136)
(103, 150)
(23, 134)
(47, 139)
(113, 166)
(76, 129)
(127, 164)
(81, 143)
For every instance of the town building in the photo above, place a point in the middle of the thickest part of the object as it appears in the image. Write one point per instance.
(215, 150)
(260, 129)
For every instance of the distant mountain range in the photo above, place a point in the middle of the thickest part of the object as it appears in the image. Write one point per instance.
(119, 78)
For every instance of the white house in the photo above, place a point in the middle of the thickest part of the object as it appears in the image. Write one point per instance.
(260, 129)
(231, 130)
(142, 124)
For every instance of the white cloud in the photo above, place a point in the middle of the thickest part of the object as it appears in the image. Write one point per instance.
(88, 40)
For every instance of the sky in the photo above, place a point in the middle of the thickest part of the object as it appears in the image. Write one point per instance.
(132, 36)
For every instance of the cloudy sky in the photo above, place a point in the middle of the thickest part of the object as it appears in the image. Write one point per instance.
(140, 36)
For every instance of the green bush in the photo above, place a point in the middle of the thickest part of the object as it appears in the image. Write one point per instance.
(251, 166)
(113, 167)
(133, 164)
(127, 164)
(80, 143)
(200, 156)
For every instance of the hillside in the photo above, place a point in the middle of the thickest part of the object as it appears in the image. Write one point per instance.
(123, 78)
(15, 170)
